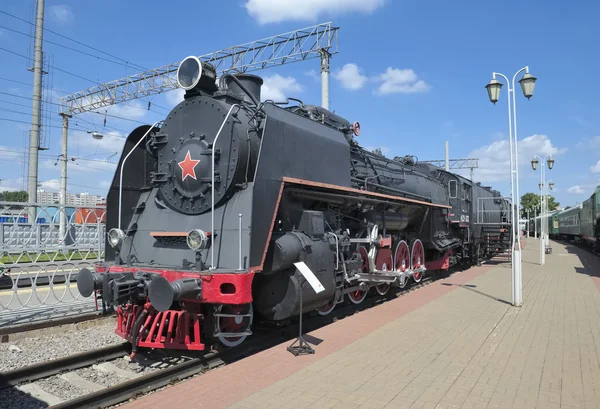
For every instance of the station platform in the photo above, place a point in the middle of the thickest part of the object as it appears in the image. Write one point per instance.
(456, 343)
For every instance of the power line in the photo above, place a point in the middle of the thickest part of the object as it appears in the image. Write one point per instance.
(79, 76)
(28, 123)
(67, 47)
(95, 112)
(52, 119)
(29, 84)
(18, 82)
(55, 127)
(49, 156)
(75, 41)
(55, 67)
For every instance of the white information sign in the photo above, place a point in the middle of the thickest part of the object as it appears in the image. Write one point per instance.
(310, 277)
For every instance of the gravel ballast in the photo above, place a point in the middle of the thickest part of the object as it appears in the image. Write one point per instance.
(29, 351)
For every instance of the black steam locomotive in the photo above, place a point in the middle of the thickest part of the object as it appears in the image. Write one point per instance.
(211, 209)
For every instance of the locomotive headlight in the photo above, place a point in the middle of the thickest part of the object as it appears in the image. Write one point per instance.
(194, 73)
(115, 237)
(197, 240)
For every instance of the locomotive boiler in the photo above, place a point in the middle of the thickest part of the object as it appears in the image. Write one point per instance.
(210, 210)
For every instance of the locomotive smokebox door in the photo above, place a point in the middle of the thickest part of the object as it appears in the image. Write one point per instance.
(187, 154)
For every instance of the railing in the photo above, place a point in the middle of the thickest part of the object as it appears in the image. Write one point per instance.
(42, 249)
(58, 233)
(34, 292)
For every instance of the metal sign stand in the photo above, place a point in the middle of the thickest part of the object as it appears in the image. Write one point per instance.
(303, 347)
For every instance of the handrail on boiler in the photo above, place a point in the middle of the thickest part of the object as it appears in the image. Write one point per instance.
(123, 164)
(212, 186)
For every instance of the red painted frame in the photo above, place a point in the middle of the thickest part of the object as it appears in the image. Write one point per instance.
(218, 288)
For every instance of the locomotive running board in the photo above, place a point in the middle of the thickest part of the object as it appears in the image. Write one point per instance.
(362, 192)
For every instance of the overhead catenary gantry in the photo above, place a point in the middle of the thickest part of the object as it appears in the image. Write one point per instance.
(318, 41)
(469, 163)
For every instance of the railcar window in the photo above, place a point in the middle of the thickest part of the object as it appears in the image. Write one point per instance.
(453, 189)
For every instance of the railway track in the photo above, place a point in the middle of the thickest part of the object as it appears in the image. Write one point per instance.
(135, 384)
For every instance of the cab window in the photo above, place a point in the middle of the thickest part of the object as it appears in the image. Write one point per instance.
(453, 189)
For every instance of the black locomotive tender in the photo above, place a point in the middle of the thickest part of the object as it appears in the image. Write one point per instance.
(209, 210)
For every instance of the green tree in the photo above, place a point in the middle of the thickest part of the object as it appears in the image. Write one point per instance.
(19, 196)
(529, 200)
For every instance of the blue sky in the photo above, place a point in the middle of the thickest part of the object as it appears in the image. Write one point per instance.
(412, 72)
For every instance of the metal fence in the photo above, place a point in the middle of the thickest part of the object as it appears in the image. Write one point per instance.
(34, 292)
(56, 233)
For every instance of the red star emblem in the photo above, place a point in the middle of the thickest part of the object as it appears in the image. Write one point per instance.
(187, 167)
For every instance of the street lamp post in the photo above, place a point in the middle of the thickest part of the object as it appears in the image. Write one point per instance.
(527, 85)
(543, 207)
(549, 186)
(535, 214)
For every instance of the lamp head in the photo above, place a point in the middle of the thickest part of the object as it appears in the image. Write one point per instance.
(493, 89)
(527, 85)
(550, 163)
(534, 163)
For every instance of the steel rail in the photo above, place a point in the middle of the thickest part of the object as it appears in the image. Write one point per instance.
(56, 366)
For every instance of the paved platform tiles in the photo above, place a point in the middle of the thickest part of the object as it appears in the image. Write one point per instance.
(457, 343)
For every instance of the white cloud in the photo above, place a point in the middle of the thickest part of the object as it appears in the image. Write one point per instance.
(595, 168)
(12, 185)
(269, 11)
(11, 154)
(61, 13)
(276, 87)
(175, 97)
(494, 159)
(132, 110)
(350, 77)
(589, 143)
(52, 185)
(313, 74)
(81, 144)
(81, 166)
(85, 166)
(576, 189)
(400, 81)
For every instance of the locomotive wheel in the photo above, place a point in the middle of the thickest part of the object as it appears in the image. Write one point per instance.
(417, 259)
(234, 324)
(326, 309)
(384, 262)
(402, 261)
(358, 296)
